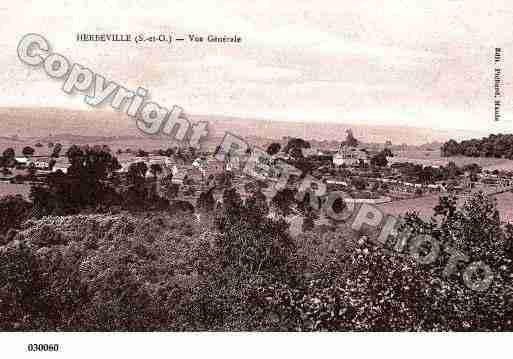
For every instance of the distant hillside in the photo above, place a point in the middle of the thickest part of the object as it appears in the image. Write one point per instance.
(45, 122)
(13, 139)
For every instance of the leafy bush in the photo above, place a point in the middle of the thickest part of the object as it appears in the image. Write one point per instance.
(13, 211)
(243, 271)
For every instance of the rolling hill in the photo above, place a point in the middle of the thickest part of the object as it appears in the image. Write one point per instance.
(44, 122)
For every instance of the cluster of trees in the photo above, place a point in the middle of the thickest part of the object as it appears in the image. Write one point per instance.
(498, 146)
(56, 152)
(294, 149)
(14, 210)
(380, 159)
(7, 159)
(294, 146)
(28, 151)
(427, 174)
(186, 155)
(252, 243)
(168, 153)
(83, 185)
(92, 182)
(140, 194)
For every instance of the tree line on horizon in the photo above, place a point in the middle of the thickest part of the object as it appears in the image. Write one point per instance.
(495, 145)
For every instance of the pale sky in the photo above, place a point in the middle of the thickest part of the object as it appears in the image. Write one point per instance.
(423, 64)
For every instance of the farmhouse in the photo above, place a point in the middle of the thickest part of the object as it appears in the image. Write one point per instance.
(63, 169)
(22, 161)
(40, 164)
(350, 156)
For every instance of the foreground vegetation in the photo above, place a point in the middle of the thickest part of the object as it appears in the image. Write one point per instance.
(237, 269)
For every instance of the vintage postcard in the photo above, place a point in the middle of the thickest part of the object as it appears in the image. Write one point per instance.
(229, 167)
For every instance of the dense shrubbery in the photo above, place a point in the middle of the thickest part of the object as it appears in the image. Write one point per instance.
(13, 211)
(352, 284)
(243, 271)
(426, 174)
(250, 242)
(101, 273)
(476, 231)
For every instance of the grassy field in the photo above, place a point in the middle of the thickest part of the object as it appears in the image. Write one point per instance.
(505, 206)
(134, 144)
(145, 143)
(430, 158)
(8, 189)
(424, 206)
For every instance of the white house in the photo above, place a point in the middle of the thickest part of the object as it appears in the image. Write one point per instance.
(62, 168)
(22, 160)
(350, 156)
(41, 164)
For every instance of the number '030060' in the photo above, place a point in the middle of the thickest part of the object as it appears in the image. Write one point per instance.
(43, 347)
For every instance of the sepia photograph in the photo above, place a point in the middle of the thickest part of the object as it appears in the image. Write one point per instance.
(288, 176)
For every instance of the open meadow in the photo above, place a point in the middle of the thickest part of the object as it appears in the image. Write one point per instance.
(11, 189)
(433, 158)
